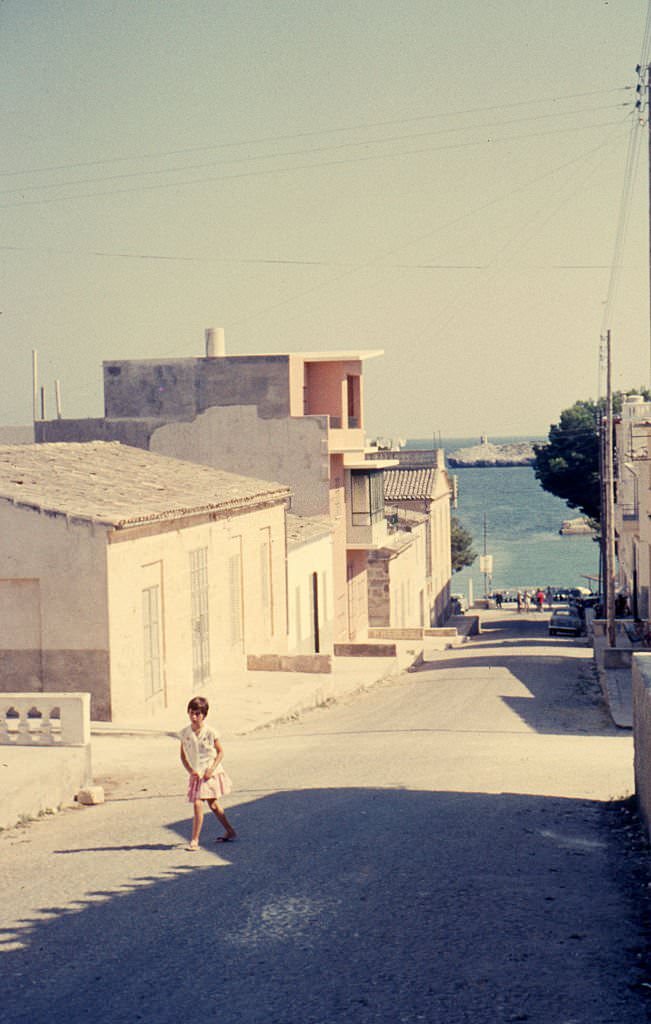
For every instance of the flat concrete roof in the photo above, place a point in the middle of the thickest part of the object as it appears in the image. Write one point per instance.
(119, 486)
(337, 357)
(333, 356)
(305, 529)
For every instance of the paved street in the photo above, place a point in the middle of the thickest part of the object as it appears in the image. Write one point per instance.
(452, 846)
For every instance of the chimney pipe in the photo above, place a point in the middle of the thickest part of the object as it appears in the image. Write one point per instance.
(215, 345)
(35, 382)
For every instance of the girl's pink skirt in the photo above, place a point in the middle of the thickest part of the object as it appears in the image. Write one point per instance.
(209, 789)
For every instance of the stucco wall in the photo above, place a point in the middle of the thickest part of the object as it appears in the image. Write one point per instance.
(357, 592)
(641, 679)
(289, 451)
(134, 432)
(441, 559)
(302, 563)
(397, 582)
(163, 560)
(53, 609)
(339, 572)
(379, 591)
(438, 584)
(184, 388)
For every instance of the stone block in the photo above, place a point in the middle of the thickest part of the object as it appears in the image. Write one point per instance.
(90, 795)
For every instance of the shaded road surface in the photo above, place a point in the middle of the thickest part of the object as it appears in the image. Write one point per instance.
(450, 847)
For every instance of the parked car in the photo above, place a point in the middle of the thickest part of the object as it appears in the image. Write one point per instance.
(565, 620)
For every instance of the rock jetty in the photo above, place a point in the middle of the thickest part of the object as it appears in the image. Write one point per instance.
(487, 454)
(576, 527)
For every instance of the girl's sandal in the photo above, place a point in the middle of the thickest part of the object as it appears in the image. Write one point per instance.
(192, 845)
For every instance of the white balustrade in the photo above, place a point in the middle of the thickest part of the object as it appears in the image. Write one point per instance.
(45, 719)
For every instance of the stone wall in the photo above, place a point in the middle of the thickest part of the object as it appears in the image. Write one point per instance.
(379, 593)
(309, 663)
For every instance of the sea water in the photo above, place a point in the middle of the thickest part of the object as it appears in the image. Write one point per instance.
(522, 529)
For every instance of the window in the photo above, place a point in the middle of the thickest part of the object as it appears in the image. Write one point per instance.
(265, 582)
(367, 494)
(236, 605)
(353, 389)
(199, 615)
(151, 636)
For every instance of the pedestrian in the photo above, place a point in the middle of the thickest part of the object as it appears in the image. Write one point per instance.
(498, 599)
(519, 601)
(202, 757)
(540, 599)
(550, 597)
(526, 601)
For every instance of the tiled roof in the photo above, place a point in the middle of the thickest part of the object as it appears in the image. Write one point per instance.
(403, 484)
(303, 529)
(119, 486)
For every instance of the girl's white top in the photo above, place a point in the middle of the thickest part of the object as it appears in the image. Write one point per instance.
(199, 747)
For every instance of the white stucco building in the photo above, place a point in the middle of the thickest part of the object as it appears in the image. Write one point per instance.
(137, 577)
(633, 504)
(293, 417)
(310, 591)
(428, 490)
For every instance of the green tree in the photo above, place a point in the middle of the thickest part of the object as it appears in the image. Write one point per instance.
(461, 543)
(568, 464)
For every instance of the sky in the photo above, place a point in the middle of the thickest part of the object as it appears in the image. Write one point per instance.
(443, 181)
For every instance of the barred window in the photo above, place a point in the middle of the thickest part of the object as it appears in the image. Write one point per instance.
(151, 637)
(200, 618)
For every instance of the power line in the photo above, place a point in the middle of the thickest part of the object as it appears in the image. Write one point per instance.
(630, 170)
(313, 132)
(304, 152)
(301, 167)
(423, 237)
(278, 260)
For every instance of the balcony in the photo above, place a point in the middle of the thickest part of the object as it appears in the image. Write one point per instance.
(345, 437)
(366, 534)
(366, 522)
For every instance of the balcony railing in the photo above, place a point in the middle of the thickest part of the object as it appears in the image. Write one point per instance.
(45, 719)
(347, 423)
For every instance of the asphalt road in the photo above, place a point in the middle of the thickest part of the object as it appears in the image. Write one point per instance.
(453, 846)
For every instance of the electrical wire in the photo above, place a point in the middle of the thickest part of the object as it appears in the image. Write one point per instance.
(304, 152)
(630, 173)
(313, 132)
(471, 213)
(301, 167)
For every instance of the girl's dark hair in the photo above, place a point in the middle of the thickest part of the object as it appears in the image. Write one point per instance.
(199, 704)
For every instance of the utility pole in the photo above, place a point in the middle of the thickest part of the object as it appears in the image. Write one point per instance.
(609, 488)
(486, 564)
(648, 124)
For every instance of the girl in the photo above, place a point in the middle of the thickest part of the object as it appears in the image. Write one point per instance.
(201, 756)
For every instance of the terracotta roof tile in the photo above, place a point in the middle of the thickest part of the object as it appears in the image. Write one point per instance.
(404, 484)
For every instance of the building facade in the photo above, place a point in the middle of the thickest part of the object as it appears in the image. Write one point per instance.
(633, 504)
(136, 577)
(297, 418)
(428, 490)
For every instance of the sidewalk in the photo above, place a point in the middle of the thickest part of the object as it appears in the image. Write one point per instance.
(37, 781)
(617, 688)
